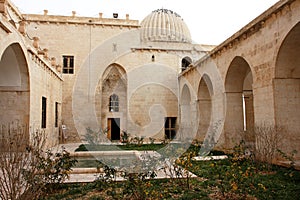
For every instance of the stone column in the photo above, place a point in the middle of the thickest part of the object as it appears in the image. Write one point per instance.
(204, 116)
(249, 111)
(234, 121)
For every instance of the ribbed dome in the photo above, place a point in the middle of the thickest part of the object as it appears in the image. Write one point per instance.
(164, 25)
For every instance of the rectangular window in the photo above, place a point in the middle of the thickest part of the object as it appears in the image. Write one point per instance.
(44, 112)
(68, 64)
(56, 114)
(170, 127)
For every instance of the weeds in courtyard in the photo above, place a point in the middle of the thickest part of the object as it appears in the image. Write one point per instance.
(234, 178)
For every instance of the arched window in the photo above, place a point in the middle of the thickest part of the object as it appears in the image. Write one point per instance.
(185, 62)
(114, 103)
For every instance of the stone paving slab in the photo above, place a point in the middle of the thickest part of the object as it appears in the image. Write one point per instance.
(90, 177)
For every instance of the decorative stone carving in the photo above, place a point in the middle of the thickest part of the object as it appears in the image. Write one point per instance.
(36, 42)
(58, 68)
(22, 27)
(3, 7)
(45, 53)
(53, 61)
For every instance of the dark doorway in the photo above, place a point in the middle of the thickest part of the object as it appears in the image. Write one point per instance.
(114, 128)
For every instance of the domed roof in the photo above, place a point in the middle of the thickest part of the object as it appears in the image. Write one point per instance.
(164, 25)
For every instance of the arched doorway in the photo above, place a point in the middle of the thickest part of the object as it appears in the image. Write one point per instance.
(205, 92)
(239, 100)
(113, 104)
(287, 89)
(185, 109)
(14, 88)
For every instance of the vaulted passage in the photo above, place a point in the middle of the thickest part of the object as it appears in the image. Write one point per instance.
(287, 88)
(14, 87)
(204, 106)
(239, 99)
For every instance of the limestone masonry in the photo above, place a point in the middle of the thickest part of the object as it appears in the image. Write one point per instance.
(64, 74)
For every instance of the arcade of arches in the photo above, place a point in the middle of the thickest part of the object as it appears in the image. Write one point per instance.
(260, 84)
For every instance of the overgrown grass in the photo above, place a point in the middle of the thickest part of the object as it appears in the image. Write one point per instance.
(281, 183)
(237, 177)
(154, 189)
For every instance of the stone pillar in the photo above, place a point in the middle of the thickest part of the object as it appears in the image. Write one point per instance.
(204, 116)
(249, 110)
(287, 115)
(234, 121)
(194, 119)
(185, 122)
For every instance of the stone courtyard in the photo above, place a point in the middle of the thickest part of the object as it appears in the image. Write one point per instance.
(64, 74)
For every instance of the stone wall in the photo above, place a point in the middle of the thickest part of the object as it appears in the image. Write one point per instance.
(26, 77)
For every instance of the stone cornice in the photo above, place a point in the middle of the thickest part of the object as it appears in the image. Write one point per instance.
(165, 49)
(13, 8)
(42, 63)
(56, 19)
(245, 32)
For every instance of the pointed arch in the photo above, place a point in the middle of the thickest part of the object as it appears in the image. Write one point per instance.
(239, 99)
(111, 100)
(205, 92)
(14, 87)
(287, 88)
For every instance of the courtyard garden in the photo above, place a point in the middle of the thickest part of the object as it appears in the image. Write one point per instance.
(237, 177)
(28, 171)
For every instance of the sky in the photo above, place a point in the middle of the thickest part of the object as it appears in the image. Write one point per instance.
(209, 21)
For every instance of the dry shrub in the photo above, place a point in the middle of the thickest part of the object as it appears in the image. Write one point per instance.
(26, 167)
(263, 141)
